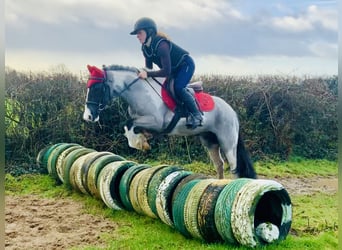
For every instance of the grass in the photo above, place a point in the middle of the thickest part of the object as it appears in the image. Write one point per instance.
(297, 167)
(309, 211)
(314, 224)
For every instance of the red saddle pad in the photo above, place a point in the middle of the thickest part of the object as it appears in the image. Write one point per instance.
(205, 101)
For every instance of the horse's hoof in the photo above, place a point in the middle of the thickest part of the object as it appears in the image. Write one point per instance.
(146, 146)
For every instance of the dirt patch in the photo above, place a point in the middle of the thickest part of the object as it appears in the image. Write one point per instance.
(310, 185)
(37, 223)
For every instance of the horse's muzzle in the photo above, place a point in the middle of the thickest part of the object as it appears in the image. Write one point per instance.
(87, 116)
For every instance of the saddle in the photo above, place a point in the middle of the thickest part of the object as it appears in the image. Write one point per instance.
(204, 100)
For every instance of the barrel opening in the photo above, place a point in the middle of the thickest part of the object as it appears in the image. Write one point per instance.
(269, 209)
(114, 186)
(274, 207)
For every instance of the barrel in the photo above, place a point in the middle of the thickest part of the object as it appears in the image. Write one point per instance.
(108, 183)
(242, 211)
(68, 162)
(125, 184)
(95, 169)
(246, 204)
(206, 210)
(163, 200)
(154, 184)
(60, 167)
(53, 156)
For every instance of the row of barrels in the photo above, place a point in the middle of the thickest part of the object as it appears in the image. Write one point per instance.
(242, 211)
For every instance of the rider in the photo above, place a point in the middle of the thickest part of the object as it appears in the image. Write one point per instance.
(173, 62)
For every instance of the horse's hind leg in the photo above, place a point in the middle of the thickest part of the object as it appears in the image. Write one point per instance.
(209, 140)
(215, 156)
(231, 158)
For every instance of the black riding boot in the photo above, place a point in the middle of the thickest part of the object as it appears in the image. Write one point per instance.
(194, 118)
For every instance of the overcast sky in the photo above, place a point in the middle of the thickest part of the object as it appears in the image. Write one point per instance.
(236, 37)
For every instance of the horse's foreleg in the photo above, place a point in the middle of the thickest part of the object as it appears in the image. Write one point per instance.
(138, 141)
(215, 156)
(147, 134)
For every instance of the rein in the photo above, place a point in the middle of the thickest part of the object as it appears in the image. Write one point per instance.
(136, 79)
(153, 87)
(128, 86)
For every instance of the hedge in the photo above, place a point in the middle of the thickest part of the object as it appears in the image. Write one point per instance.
(280, 116)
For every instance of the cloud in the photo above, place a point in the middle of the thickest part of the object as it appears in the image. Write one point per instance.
(327, 18)
(263, 65)
(33, 60)
(313, 17)
(323, 49)
(64, 11)
(220, 31)
(292, 24)
(113, 13)
(43, 60)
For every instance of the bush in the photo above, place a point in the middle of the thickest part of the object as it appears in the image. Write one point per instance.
(279, 117)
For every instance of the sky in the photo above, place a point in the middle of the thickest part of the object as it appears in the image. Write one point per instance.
(228, 37)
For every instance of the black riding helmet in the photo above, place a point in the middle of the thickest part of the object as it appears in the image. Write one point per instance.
(144, 23)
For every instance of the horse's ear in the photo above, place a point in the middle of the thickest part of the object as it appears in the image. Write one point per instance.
(90, 68)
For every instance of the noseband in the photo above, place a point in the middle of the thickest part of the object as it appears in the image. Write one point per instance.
(102, 103)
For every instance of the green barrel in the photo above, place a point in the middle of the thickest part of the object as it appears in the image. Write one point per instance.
(185, 180)
(163, 201)
(75, 173)
(125, 184)
(223, 209)
(206, 210)
(261, 202)
(43, 156)
(52, 160)
(86, 165)
(40, 157)
(133, 190)
(155, 181)
(108, 183)
(178, 207)
(191, 207)
(69, 160)
(95, 169)
(60, 159)
(142, 190)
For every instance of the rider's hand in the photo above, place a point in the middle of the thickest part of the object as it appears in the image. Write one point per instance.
(142, 74)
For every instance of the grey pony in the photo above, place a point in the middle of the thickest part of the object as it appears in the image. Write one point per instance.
(219, 131)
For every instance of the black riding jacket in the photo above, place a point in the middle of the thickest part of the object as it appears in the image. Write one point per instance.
(164, 53)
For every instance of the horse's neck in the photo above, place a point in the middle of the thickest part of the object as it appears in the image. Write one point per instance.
(143, 96)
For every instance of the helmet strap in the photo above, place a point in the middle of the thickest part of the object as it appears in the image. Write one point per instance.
(148, 41)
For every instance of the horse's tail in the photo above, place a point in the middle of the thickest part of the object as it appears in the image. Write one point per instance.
(244, 167)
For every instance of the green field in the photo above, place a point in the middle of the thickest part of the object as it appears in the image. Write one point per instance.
(314, 219)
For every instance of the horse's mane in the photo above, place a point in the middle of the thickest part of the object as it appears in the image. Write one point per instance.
(120, 67)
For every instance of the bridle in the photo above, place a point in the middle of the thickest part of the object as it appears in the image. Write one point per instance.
(102, 103)
(105, 95)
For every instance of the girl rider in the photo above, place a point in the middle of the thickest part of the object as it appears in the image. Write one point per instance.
(173, 62)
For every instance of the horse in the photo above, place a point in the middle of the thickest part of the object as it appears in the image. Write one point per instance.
(150, 115)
